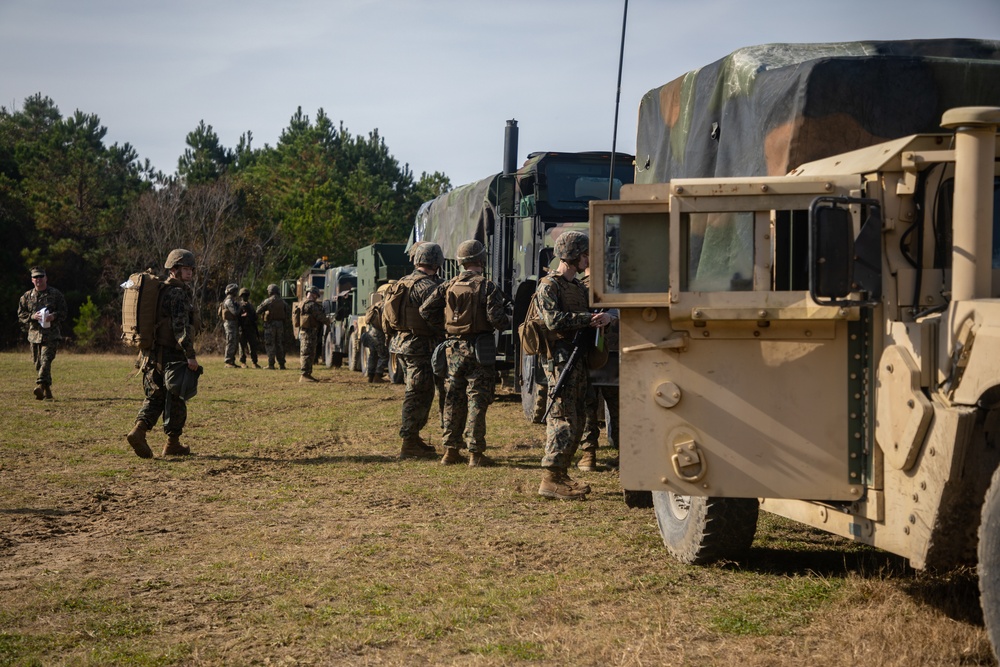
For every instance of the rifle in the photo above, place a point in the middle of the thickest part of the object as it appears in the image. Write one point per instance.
(579, 343)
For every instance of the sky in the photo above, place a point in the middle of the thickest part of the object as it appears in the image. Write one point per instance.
(438, 78)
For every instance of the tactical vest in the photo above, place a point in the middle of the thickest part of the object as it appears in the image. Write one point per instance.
(573, 298)
(465, 307)
(164, 326)
(400, 313)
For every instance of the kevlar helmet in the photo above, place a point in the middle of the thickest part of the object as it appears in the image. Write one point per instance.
(570, 245)
(231, 288)
(244, 291)
(312, 290)
(428, 254)
(272, 289)
(471, 251)
(179, 257)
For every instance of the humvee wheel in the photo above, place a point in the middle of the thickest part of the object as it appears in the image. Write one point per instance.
(989, 562)
(698, 530)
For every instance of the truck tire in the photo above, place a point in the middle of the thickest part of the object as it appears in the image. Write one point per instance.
(353, 352)
(367, 359)
(328, 353)
(533, 394)
(698, 530)
(397, 374)
(989, 562)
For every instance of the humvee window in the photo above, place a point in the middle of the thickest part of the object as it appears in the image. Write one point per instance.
(720, 251)
(636, 254)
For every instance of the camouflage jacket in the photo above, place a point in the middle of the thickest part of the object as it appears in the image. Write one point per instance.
(317, 317)
(273, 309)
(407, 342)
(177, 316)
(31, 302)
(432, 309)
(229, 310)
(562, 306)
(248, 316)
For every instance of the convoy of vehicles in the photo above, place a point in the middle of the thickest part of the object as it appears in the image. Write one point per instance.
(817, 338)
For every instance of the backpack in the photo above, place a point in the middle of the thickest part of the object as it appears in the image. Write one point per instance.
(532, 332)
(463, 313)
(398, 314)
(141, 310)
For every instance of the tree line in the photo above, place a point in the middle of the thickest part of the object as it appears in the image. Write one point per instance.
(93, 214)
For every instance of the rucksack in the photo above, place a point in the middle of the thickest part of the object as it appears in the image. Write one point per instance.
(532, 332)
(462, 307)
(398, 313)
(141, 309)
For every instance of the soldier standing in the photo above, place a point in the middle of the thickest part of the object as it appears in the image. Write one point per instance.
(414, 346)
(274, 311)
(229, 311)
(248, 329)
(562, 303)
(312, 320)
(592, 430)
(40, 311)
(469, 308)
(373, 337)
(170, 372)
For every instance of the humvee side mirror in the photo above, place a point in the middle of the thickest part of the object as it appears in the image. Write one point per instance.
(840, 264)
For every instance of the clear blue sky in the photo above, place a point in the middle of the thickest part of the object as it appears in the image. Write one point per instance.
(438, 78)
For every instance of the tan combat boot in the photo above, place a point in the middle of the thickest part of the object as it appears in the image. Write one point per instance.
(574, 484)
(137, 439)
(480, 460)
(415, 448)
(554, 486)
(452, 455)
(174, 447)
(48, 391)
(307, 378)
(588, 461)
(39, 392)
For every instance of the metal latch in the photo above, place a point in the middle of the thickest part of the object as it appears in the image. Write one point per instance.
(689, 463)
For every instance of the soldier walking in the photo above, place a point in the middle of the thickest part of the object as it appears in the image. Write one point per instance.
(469, 308)
(312, 319)
(229, 311)
(40, 311)
(274, 312)
(170, 373)
(562, 303)
(414, 344)
(248, 329)
(373, 337)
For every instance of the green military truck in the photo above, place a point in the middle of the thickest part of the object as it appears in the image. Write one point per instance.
(808, 272)
(517, 215)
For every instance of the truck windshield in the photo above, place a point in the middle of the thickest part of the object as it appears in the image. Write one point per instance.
(570, 185)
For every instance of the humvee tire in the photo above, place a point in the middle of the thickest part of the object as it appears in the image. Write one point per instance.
(989, 562)
(698, 530)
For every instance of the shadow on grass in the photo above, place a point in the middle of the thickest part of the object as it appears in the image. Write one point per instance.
(38, 511)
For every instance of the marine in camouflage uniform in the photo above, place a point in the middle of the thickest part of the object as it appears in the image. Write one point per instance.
(471, 380)
(373, 339)
(562, 302)
(274, 311)
(229, 311)
(592, 429)
(172, 354)
(312, 320)
(414, 348)
(249, 343)
(44, 340)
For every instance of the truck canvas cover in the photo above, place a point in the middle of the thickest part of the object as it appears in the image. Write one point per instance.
(459, 215)
(764, 110)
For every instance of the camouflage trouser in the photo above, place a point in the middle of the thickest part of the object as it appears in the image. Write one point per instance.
(564, 426)
(159, 401)
(248, 344)
(419, 395)
(308, 340)
(591, 428)
(232, 328)
(43, 354)
(274, 341)
(468, 393)
(377, 351)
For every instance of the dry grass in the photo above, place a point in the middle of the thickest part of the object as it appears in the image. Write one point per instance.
(293, 536)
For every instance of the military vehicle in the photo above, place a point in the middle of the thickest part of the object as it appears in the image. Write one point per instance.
(517, 215)
(819, 341)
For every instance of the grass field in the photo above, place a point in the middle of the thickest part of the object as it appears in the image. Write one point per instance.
(293, 536)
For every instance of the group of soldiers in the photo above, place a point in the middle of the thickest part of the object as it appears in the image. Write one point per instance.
(442, 331)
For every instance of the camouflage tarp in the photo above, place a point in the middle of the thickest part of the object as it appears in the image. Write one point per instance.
(764, 110)
(456, 216)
